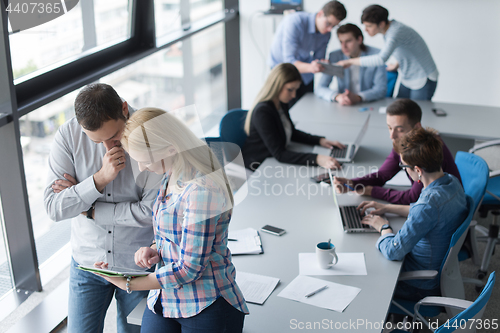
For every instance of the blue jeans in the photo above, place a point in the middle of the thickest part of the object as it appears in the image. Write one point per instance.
(89, 299)
(424, 94)
(219, 317)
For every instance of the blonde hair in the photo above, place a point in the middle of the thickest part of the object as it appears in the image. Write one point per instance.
(280, 75)
(153, 130)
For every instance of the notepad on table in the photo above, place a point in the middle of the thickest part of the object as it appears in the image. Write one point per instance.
(256, 288)
(245, 241)
(334, 297)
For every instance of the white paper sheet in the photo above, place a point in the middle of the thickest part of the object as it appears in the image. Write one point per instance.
(248, 241)
(349, 264)
(335, 297)
(400, 179)
(382, 109)
(256, 288)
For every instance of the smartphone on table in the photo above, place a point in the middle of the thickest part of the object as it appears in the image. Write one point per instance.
(273, 230)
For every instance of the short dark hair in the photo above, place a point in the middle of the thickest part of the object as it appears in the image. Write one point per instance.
(336, 9)
(421, 147)
(354, 30)
(406, 107)
(375, 14)
(96, 104)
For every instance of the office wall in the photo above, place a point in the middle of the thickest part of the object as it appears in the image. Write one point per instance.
(463, 36)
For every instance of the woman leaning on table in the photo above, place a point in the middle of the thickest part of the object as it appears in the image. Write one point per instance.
(270, 129)
(193, 288)
(417, 67)
(424, 239)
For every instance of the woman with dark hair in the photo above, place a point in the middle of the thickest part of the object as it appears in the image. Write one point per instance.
(424, 239)
(417, 67)
(270, 129)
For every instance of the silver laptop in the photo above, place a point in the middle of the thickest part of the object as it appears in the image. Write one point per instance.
(345, 155)
(350, 215)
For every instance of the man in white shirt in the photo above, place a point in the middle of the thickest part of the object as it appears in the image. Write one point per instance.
(92, 182)
(359, 84)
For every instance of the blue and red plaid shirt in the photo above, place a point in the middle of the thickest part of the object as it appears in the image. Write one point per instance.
(191, 237)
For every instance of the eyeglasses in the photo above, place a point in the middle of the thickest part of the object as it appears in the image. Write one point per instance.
(402, 166)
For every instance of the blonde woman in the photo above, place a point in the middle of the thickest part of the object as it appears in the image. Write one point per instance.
(270, 129)
(193, 288)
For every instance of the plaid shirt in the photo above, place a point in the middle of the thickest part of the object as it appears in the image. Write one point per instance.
(191, 237)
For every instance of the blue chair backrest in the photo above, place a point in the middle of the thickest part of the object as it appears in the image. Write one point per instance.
(474, 311)
(474, 173)
(451, 281)
(392, 77)
(231, 127)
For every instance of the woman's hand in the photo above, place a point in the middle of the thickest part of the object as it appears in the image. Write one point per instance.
(344, 63)
(392, 67)
(145, 257)
(117, 281)
(330, 144)
(375, 221)
(379, 207)
(327, 162)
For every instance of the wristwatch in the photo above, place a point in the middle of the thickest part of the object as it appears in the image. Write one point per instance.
(385, 226)
(90, 212)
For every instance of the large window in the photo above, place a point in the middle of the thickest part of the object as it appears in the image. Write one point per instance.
(86, 27)
(188, 72)
(37, 133)
(97, 41)
(5, 273)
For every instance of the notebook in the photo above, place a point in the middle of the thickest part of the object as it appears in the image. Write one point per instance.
(350, 215)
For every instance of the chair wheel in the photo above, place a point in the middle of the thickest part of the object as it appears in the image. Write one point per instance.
(480, 275)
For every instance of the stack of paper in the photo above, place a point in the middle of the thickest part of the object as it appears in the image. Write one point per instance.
(334, 297)
(245, 241)
(256, 288)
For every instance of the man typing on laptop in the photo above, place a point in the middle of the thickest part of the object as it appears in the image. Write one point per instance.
(403, 115)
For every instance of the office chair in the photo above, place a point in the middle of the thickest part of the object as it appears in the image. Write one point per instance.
(231, 127)
(451, 282)
(462, 321)
(490, 152)
(392, 77)
(474, 173)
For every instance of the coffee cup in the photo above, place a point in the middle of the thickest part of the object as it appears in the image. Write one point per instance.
(325, 252)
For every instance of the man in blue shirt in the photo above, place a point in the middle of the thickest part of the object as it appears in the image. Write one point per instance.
(359, 84)
(302, 38)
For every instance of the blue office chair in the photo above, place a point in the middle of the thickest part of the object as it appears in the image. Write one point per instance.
(490, 152)
(231, 127)
(451, 282)
(392, 77)
(474, 173)
(469, 310)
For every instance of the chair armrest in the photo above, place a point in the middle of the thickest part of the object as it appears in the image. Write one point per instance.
(475, 282)
(495, 173)
(484, 145)
(418, 275)
(445, 302)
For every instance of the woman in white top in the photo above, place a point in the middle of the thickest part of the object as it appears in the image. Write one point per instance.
(417, 68)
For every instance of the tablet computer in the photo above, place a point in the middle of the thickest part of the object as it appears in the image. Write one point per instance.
(114, 271)
(332, 69)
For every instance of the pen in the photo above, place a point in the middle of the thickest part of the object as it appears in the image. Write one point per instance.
(316, 291)
(349, 187)
(232, 240)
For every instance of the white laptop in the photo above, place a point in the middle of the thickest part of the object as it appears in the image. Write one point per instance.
(350, 215)
(347, 154)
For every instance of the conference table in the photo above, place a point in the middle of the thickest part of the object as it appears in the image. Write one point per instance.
(462, 120)
(284, 196)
